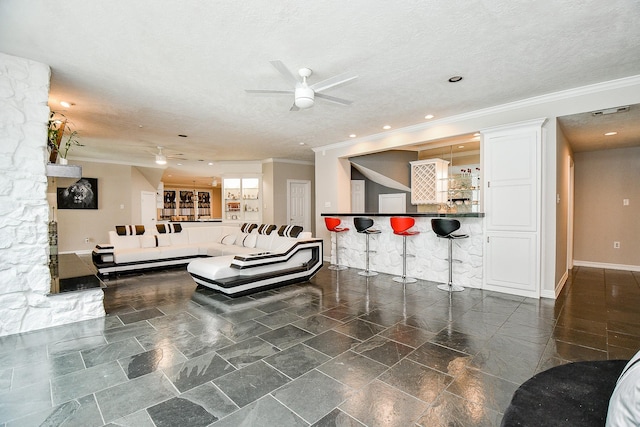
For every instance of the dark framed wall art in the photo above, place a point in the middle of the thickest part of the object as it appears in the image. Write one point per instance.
(82, 194)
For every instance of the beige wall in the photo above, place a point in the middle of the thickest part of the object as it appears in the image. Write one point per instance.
(283, 171)
(562, 205)
(114, 192)
(138, 184)
(602, 180)
(267, 193)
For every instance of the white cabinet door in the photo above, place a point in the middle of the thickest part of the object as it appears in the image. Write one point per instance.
(511, 165)
(512, 159)
(511, 263)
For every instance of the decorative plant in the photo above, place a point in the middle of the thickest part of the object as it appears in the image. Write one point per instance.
(56, 128)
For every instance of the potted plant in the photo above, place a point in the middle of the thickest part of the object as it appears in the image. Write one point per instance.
(56, 128)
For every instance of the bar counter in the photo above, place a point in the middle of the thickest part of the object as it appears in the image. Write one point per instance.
(429, 260)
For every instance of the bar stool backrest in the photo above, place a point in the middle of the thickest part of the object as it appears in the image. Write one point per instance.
(401, 223)
(331, 223)
(443, 227)
(362, 223)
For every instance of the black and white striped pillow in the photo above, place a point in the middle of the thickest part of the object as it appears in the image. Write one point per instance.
(247, 227)
(129, 230)
(266, 229)
(169, 228)
(290, 230)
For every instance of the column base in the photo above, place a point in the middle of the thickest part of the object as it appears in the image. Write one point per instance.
(452, 288)
(404, 280)
(367, 273)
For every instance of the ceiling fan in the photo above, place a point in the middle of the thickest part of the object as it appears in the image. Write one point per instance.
(305, 94)
(161, 156)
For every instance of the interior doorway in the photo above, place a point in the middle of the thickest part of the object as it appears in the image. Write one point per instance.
(299, 203)
(148, 212)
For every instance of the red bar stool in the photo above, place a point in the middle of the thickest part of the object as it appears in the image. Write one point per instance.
(333, 225)
(444, 228)
(363, 225)
(401, 226)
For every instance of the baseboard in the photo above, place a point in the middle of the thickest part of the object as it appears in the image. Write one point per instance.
(626, 267)
(559, 287)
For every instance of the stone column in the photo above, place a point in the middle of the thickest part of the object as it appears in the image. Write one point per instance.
(24, 212)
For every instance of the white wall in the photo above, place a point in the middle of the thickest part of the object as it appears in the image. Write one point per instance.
(24, 210)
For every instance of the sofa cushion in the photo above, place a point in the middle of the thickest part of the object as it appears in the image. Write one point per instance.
(178, 238)
(123, 242)
(148, 241)
(129, 230)
(163, 240)
(624, 404)
(289, 230)
(177, 251)
(136, 255)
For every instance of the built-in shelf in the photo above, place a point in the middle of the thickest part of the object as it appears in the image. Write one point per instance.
(64, 171)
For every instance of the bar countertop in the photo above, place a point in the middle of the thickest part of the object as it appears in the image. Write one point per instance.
(413, 214)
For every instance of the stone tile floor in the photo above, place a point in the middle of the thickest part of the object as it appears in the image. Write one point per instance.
(342, 350)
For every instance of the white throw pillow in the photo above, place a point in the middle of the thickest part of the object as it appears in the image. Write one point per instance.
(148, 241)
(229, 239)
(624, 405)
(249, 240)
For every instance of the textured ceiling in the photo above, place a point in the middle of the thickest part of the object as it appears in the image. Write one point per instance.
(142, 72)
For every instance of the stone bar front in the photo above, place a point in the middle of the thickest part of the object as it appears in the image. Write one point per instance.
(426, 253)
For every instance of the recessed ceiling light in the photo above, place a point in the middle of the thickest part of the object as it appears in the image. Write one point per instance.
(455, 79)
(182, 136)
(460, 146)
(353, 135)
(386, 127)
(476, 134)
(610, 133)
(179, 164)
(66, 104)
(301, 143)
(429, 116)
(210, 163)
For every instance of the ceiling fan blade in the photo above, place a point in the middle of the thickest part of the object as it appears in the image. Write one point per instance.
(288, 75)
(294, 107)
(340, 79)
(333, 99)
(268, 91)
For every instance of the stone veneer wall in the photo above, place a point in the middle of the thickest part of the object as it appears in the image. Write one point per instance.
(430, 253)
(24, 212)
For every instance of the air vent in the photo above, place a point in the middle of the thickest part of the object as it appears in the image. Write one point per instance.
(611, 111)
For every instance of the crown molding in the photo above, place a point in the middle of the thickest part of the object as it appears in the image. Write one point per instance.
(523, 103)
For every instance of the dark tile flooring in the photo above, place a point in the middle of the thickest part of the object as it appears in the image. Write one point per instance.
(343, 350)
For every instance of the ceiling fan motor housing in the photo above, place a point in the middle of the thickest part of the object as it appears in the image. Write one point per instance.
(304, 97)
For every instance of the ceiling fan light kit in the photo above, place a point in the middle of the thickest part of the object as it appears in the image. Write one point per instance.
(303, 94)
(304, 97)
(161, 159)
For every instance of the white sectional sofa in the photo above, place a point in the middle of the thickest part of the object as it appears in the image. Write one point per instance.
(132, 248)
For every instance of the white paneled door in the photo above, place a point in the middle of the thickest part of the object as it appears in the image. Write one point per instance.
(512, 164)
(148, 212)
(299, 203)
